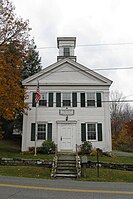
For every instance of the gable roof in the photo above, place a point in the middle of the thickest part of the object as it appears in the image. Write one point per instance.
(67, 72)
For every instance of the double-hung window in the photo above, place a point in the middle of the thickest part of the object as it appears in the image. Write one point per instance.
(91, 99)
(91, 131)
(43, 100)
(66, 99)
(41, 132)
(44, 131)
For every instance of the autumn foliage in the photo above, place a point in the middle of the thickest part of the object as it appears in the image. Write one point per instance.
(125, 138)
(13, 49)
(121, 122)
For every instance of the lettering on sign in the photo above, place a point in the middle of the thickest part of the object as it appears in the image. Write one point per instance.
(66, 112)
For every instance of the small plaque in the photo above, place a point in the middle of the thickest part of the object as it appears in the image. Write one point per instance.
(66, 112)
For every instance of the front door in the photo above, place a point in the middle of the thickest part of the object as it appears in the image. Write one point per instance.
(66, 137)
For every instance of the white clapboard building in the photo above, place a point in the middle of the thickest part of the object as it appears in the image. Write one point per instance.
(74, 104)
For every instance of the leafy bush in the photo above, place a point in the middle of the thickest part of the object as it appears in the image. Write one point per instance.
(93, 153)
(86, 147)
(47, 147)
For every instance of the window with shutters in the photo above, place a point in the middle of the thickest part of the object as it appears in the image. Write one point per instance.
(46, 99)
(66, 99)
(44, 131)
(91, 99)
(41, 132)
(91, 131)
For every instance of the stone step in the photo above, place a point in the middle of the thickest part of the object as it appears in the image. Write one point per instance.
(66, 175)
(65, 171)
(66, 168)
(66, 153)
(72, 158)
(66, 165)
(65, 161)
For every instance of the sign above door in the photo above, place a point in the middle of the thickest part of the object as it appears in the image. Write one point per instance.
(66, 112)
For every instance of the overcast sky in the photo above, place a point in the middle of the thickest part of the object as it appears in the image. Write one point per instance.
(92, 22)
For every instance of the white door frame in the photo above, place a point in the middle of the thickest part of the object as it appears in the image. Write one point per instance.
(59, 125)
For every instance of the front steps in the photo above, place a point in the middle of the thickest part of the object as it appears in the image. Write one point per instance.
(65, 166)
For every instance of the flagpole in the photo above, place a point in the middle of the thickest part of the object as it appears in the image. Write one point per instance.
(37, 98)
(36, 129)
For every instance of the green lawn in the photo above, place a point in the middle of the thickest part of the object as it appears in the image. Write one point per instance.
(108, 175)
(113, 159)
(105, 175)
(11, 149)
(25, 171)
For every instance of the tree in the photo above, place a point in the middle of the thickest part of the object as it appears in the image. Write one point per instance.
(13, 48)
(125, 139)
(32, 63)
(129, 127)
(12, 28)
(121, 113)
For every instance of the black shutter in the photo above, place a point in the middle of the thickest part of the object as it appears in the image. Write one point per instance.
(74, 99)
(99, 130)
(33, 130)
(58, 99)
(99, 104)
(50, 100)
(83, 132)
(49, 135)
(82, 99)
(33, 100)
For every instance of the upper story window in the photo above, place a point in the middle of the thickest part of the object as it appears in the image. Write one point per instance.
(90, 99)
(43, 100)
(66, 52)
(69, 99)
(66, 99)
(46, 99)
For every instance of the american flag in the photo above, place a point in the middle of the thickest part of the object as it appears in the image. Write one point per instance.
(38, 94)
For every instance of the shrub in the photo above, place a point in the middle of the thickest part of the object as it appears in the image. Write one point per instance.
(93, 153)
(47, 147)
(86, 147)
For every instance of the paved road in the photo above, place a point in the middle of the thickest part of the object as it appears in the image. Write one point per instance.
(25, 188)
(120, 153)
